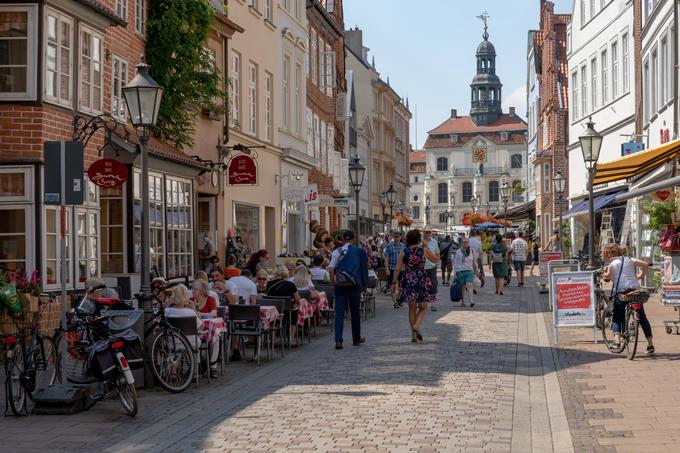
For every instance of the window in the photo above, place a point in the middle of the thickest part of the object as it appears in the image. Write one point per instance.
(317, 139)
(252, 99)
(516, 161)
(583, 13)
(268, 10)
(467, 192)
(443, 217)
(310, 134)
(314, 50)
(504, 136)
(14, 237)
(112, 230)
(547, 179)
(121, 8)
(664, 73)
(178, 237)
(442, 193)
(653, 94)
(91, 71)
(516, 197)
(87, 228)
(442, 164)
(52, 251)
(18, 41)
(253, 4)
(584, 91)
(593, 84)
(268, 110)
(324, 146)
(624, 62)
(416, 211)
(646, 98)
(155, 217)
(604, 79)
(140, 17)
(615, 70)
(247, 220)
(330, 69)
(286, 92)
(119, 76)
(58, 57)
(236, 89)
(494, 191)
(568, 45)
(592, 8)
(297, 102)
(574, 96)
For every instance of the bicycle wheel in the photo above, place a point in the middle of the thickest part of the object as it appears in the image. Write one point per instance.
(45, 360)
(14, 372)
(606, 319)
(127, 395)
(632, 325)
(172, 360)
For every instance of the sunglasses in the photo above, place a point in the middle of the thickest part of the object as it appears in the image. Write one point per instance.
(261, 279)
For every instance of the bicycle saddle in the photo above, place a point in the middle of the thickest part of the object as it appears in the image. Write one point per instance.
(107, 300)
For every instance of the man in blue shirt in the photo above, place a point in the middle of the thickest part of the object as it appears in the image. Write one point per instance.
(391, 254)
(349, 271)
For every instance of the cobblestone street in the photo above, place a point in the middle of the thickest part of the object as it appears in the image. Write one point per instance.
(483, 380)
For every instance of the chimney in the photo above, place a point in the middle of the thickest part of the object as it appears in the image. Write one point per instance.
(512, 110)
(354, 40)
(454, 113)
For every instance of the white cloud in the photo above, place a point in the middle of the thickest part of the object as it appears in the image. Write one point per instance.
(517, 99)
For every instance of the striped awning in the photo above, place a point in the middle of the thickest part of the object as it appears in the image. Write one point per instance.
(636, 164)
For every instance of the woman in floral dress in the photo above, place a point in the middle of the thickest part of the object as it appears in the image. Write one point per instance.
(414, 282)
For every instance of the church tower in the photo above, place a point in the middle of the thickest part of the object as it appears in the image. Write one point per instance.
(485, 86)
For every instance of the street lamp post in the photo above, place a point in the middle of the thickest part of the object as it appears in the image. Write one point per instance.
(427, 210)
(391, 195)
(505, 198)
(488, 208)
(473, 203)
(560, 181)
(356, 177)
(143, 98)
(591, 142)
(383, 202)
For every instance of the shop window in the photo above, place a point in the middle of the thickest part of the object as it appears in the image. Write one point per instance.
(247, 225)
(18, 41)
(179, 228)
(112, 227)
(14, 232)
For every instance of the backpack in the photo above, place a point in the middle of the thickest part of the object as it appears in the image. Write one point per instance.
(496, 257)
(344, 278)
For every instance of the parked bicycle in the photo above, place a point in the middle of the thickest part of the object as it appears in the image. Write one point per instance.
(629, 330)
(30, 365)
(170, 354)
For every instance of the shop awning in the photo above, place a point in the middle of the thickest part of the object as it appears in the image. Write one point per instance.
(636, 164)
(599, 202)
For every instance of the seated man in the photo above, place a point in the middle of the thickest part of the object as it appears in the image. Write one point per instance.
(225, 290)
(246, 287)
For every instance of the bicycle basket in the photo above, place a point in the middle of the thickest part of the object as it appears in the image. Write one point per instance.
(637, 296)
(100, 360)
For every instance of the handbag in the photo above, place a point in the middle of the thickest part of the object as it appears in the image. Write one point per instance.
(455, 292)
(496, 258)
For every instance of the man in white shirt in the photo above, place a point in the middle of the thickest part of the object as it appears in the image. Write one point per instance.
(518, 250)
(224, 289)
(317, 272)
(246, 288)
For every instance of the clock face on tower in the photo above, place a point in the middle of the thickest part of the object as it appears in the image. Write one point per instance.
(479, 154)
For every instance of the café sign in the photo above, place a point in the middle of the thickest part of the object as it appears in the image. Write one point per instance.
(242, 171)
(108, 173)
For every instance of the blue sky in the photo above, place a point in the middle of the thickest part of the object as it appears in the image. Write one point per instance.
(427, 48)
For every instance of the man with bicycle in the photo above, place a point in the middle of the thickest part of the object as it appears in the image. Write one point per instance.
(623, 272)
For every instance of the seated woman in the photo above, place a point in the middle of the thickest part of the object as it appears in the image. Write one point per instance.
(183, 307)
(302, 279)
(279, 286)
(318, 273)
(205, 303)
(261, 281)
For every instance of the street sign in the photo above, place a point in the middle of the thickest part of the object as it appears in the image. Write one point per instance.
(107, 173)
(312, 195)
(574, 299)
(242, 171)
(64, 170)
(543, 259)
(337, 202)
(561, 266)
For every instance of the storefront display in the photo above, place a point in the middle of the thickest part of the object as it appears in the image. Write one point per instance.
(247, 226)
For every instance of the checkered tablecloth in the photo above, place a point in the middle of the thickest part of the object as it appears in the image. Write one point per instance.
(321, 303)
(305, 310)
(211, 328)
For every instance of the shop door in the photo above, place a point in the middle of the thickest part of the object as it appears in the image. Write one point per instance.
(206, 221)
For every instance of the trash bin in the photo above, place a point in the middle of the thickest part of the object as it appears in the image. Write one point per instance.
(120, 320)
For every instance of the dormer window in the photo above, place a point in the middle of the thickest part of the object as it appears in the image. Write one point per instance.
(454, 138)
(504, 136)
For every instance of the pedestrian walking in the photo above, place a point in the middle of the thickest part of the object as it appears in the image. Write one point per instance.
(349, 271)
(553, 244)
(518, 250)
(535, 249)
(391, 254)
(431, 267)
(499, 263)
(465, 266)
(445, 249)
(416, 286)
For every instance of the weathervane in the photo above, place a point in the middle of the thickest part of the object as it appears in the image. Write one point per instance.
(484, 17)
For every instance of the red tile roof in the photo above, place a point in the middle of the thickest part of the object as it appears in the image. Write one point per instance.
(514, 138)
(464, 124)
(416, 156)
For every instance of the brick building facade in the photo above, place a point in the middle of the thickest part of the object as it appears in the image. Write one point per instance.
(551, 151)
(326, 88)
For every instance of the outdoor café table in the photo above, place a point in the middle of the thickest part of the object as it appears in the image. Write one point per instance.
(267, 314)
(305, 311)
(321, 303)
(211, 328)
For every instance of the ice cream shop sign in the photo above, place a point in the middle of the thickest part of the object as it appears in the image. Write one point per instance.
(242, 171)
(107, 173)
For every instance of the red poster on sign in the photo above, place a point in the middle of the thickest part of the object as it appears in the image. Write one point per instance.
(573, 296)
(107, 173)
(242, 171)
